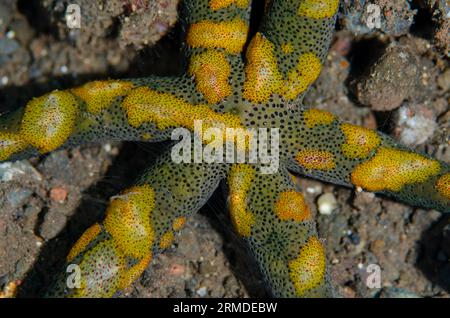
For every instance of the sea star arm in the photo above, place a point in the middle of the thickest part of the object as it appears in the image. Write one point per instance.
(286, 55)
(144, 109)
(140, 222)
(354, 156)
(216, 35)
(272, 217)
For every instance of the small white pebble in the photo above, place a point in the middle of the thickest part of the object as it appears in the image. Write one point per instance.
(64, 69)
(4, 80)
(314, 189)
(11, 34)
(202, 291)
(414, 127)
(360, 265)
(334, 261)
(38, 243)
(107, 147)
(327, 203)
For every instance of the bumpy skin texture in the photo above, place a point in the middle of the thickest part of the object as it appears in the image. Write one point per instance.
(231, 81)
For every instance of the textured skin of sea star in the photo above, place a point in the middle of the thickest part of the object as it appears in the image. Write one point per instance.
(237, 78)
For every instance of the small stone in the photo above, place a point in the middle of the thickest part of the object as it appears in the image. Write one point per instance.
(58, 194)
(202, 291)
(327, 203)
(64, 69)
(316, 189)
(415, 124)
(11, 34)
(107, 147)
(391, 80)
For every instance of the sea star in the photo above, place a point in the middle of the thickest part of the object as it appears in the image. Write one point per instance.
(236, 78)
